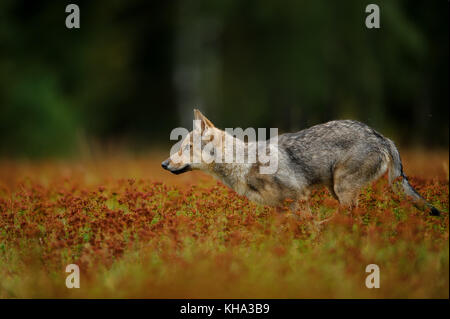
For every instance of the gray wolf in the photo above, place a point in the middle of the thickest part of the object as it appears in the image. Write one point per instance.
(343, 155)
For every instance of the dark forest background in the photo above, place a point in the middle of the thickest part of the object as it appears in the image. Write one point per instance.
(136, 69)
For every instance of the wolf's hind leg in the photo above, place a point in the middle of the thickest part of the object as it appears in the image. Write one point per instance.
(332, 192)
(352, 175)
(347, 195)
(347, 186)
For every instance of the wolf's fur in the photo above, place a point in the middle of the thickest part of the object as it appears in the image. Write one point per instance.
(342, 155)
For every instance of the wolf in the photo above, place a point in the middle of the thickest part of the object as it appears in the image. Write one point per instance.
(342, 155)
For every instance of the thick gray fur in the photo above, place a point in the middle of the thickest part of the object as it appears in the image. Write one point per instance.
(344, 155)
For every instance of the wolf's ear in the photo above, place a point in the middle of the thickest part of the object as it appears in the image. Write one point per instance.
(205, 123)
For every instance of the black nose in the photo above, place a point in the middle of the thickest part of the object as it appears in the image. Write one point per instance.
(165, 164)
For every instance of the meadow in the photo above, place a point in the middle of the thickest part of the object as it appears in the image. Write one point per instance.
(136, 231)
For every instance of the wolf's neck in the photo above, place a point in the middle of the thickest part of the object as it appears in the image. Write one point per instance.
(233, 174)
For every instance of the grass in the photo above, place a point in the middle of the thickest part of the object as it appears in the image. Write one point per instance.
(136, 231)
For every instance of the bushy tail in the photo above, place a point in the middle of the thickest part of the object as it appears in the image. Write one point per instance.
(396, 170)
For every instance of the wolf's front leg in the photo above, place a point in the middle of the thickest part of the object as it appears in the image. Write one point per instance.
(303, 210)
(293, 206)
(298, 206)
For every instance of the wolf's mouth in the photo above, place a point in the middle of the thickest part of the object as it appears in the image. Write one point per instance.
(184, 169)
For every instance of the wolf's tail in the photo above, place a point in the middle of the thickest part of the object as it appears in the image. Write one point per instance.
(396, 170)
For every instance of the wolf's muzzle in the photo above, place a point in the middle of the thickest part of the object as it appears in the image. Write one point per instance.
(185, 168)
(165, 164)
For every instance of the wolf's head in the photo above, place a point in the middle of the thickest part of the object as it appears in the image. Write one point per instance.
(198, 149)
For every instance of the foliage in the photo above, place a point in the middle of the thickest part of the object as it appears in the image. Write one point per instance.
(143, 238)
